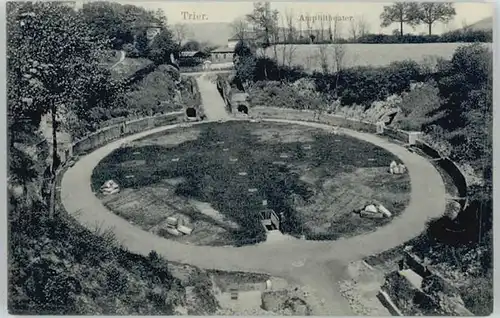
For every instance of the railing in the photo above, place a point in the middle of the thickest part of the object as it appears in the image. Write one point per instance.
(115, 132)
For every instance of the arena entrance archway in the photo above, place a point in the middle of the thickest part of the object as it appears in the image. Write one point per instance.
(243, 109)
(191, 112)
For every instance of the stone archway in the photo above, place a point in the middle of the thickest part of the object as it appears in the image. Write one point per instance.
(243, 109)
(191, 112)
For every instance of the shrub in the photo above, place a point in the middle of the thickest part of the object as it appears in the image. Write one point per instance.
(418, 107)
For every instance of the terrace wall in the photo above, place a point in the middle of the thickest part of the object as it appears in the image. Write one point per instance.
(115, 132)
(105, 135)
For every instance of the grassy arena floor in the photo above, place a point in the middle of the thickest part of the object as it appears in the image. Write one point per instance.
(214, 178)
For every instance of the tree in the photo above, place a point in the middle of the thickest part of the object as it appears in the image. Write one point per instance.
(53, 56)
(264, 20)
(192, 45)
(240, 28)
(310, 35)
(338, 47)
(162, 46)
(358, 27)
(180, 33)
(400, 12)
(431, 12)
(107, 20)
(289, 38)
(142, 44)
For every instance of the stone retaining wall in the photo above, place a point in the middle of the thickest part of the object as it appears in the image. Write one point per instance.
(115, 132)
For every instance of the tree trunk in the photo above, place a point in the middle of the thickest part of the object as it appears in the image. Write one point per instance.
(54, 140)
(430, 28)
(401, 28)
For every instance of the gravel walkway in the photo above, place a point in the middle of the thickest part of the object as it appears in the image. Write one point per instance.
(322, 263)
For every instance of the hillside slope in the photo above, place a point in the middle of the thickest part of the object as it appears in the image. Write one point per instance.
(485, 24)
(216, 33)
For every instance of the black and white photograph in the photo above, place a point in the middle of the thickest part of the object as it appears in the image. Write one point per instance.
(206, 158)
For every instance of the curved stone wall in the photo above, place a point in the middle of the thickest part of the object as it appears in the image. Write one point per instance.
(105, 135)
(115, 132)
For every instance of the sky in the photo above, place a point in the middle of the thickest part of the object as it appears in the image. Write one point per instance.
(227, 11)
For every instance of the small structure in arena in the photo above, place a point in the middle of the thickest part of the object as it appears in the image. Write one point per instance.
(110, 187)
(395, 168)
(184, 229)
(413, 137)
(375, 211)
(380, 127)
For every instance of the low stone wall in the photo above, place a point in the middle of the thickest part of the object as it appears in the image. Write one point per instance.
(449, 166)
(305, 115)
(114, 132)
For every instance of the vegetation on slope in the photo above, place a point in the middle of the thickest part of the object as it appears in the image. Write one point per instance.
(450, 102)
(55, 266)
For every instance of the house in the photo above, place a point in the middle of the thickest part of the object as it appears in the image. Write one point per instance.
(192, 58)
(222, 54)
(152, 29)
(245, 36)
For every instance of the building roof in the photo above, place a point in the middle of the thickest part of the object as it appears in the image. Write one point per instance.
(223, 49)
(151, 25)
(247, 35)
(191, 54)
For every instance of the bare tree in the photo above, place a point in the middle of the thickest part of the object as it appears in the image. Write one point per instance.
(288, 30)
(240, 27)
(309, 28)
(358, 27)
(323, 57)
(321, 31)
(363, 26)
(300, 35)
(291, 31)
(264, 20)
(338, 51)
(181, 32)
(338, 47)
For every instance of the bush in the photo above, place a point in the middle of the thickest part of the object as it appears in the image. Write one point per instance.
(61, 268)
(418, 107)
(467, 36)
(278, 94)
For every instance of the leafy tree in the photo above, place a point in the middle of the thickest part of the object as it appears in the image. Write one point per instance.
(107, 20)
(162, 46)
(242, 49)
(191, 45)
(52, 58)
(431, 12)
(142, 43)
(400, 12)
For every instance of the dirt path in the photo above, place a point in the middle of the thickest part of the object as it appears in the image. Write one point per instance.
(290, 258)
(319, 265)
(122, 58)
(212, 102)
